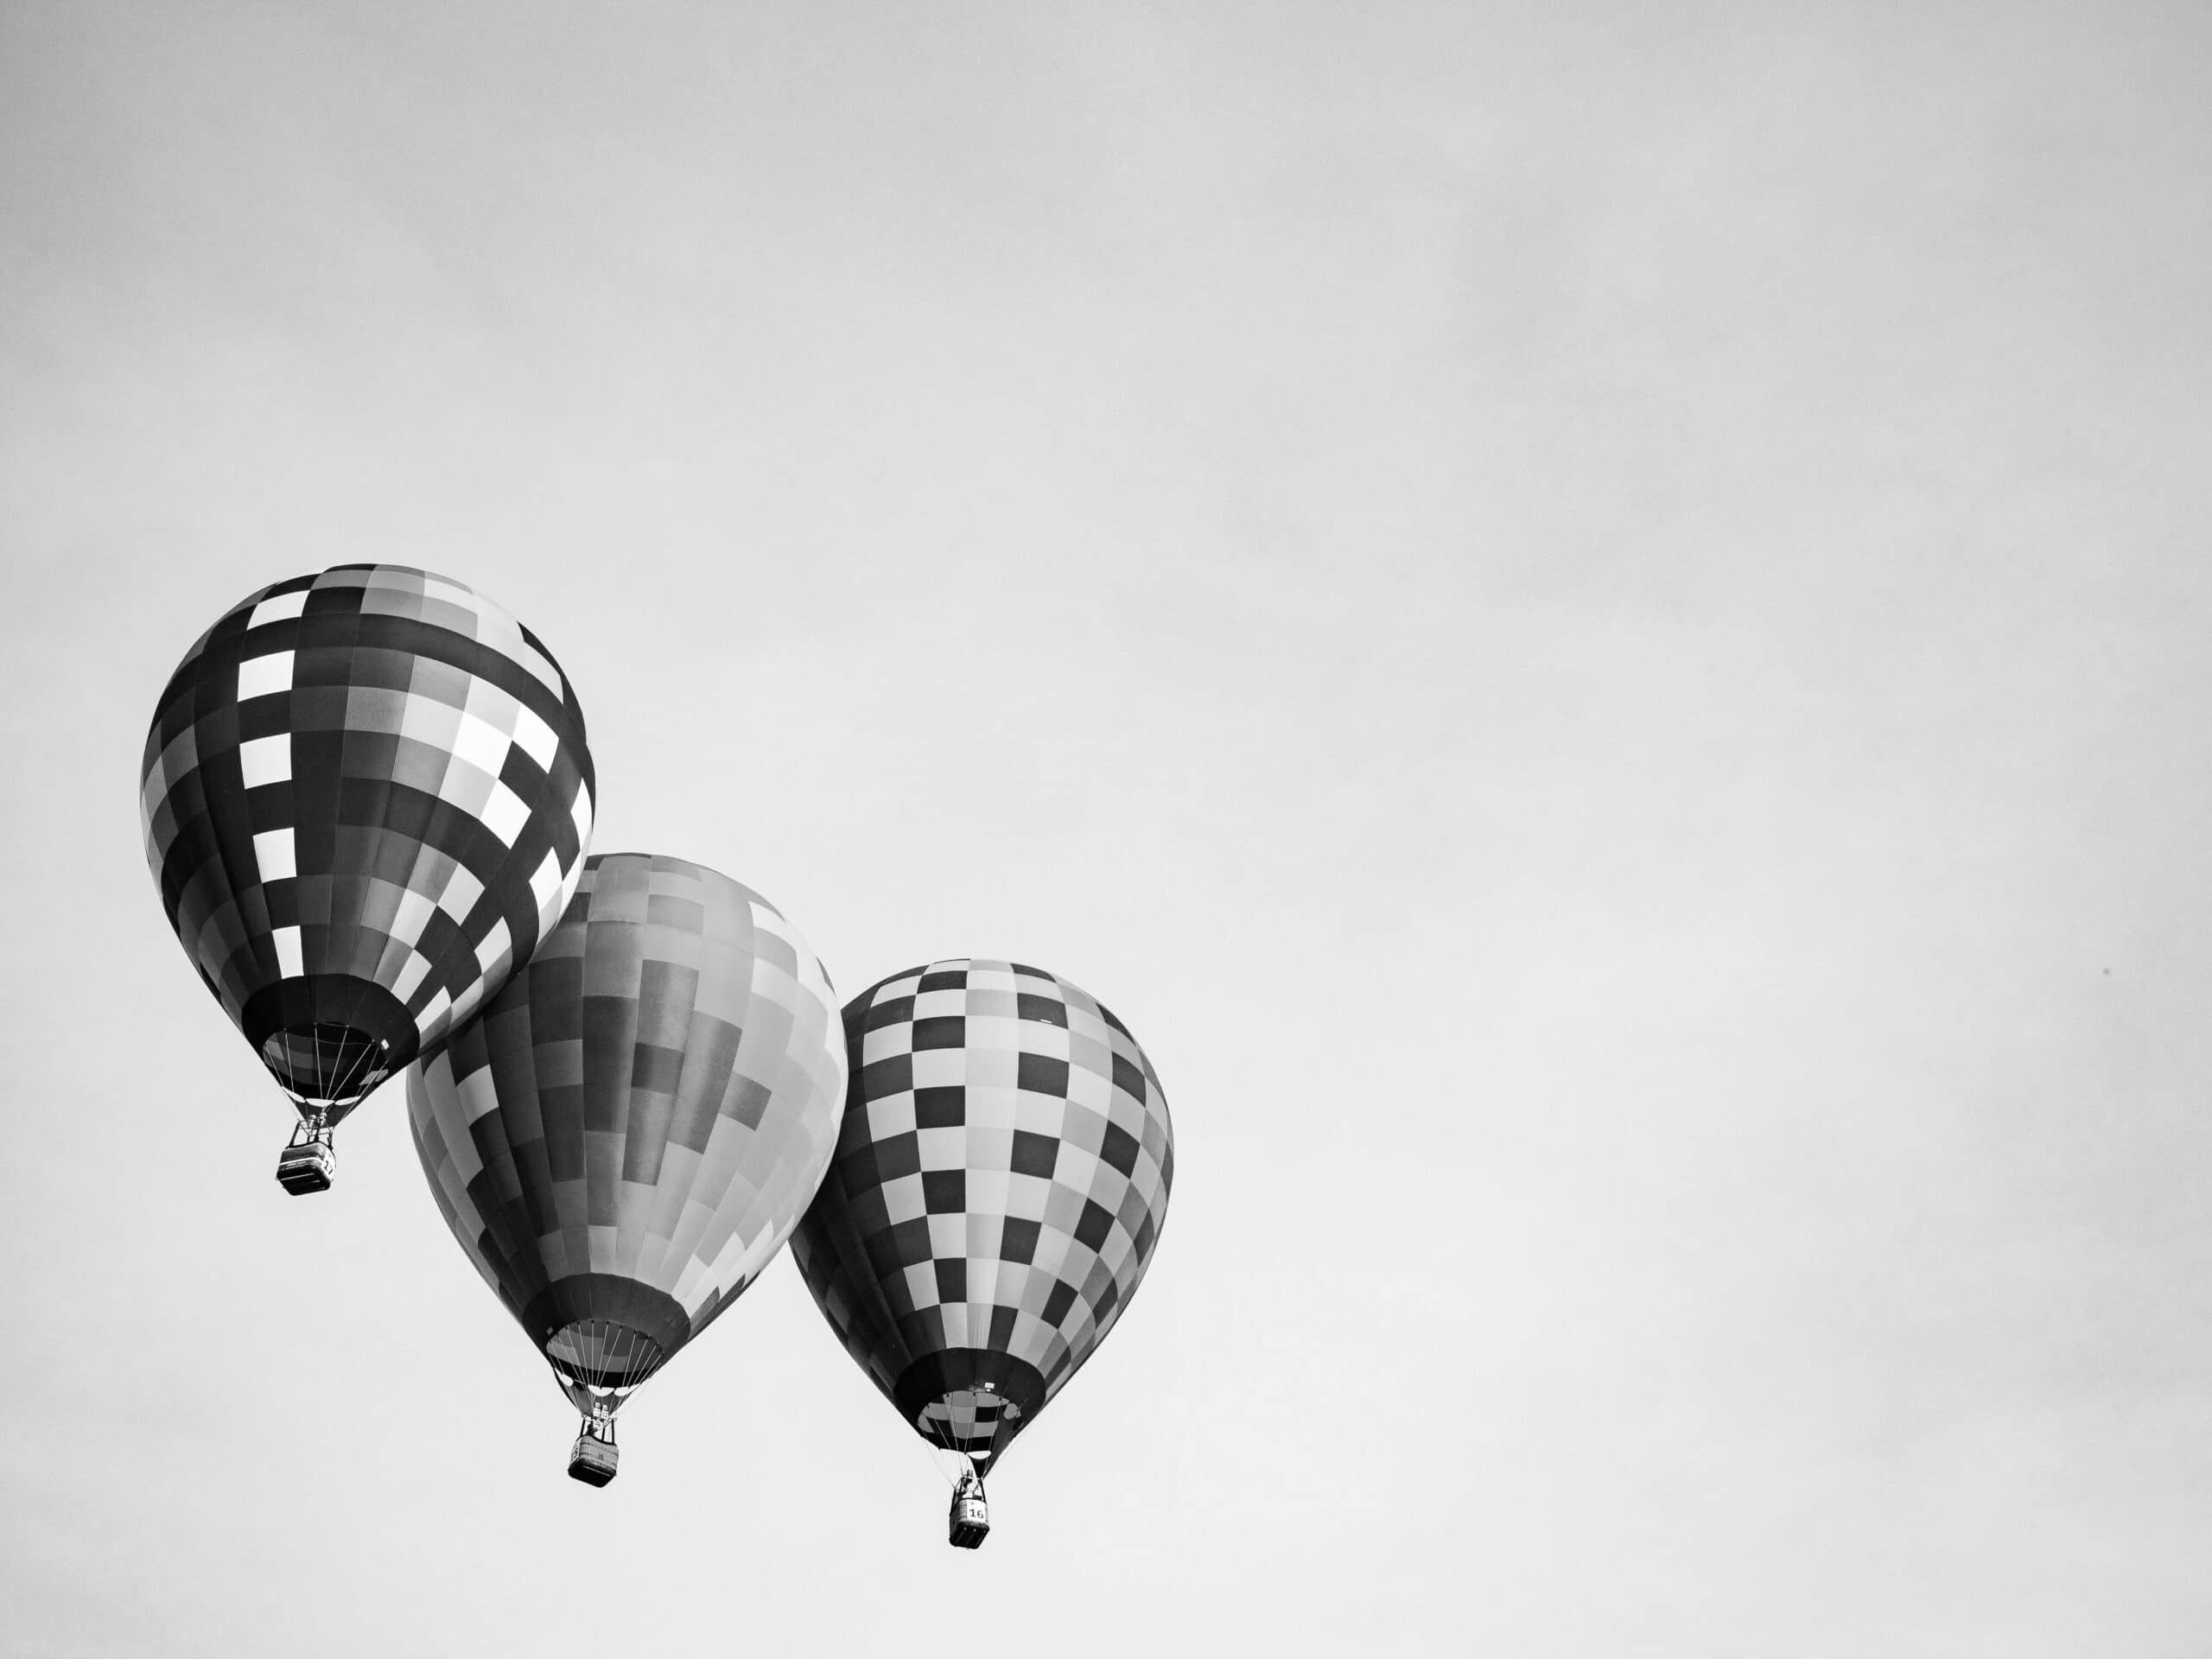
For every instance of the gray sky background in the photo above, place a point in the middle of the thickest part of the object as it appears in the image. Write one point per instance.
(1591, 620)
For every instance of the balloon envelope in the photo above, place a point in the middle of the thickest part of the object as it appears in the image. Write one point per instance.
(365, 797)
(630, 1133)
(1000, 1182)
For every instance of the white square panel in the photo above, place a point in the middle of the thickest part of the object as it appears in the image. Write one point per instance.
(279, 607)
(273, 855)
(260, 675)
(266, 760)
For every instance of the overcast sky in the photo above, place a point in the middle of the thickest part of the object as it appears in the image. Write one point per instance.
(1591, 620)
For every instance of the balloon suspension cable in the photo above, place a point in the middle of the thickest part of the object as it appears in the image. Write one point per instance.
(942, 1437)
(991, 1440)
(340, 1078)
(315, 1033)
(327, 1068)
(964, 1445)
(931, 1447)
(601, 1363)
(366, 1072)
(990, 1415)
(950, 1441)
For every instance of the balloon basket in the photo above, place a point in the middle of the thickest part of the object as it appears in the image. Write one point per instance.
(592, 1459)
(969, 1523)
(308, 1164)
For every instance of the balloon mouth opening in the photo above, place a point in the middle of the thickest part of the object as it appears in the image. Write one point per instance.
(967, 1421)
(600, 1362)
(325, 1064)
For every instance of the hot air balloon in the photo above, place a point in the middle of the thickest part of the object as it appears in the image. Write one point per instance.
(365, 796)
(628, 1134)
(999, 1186)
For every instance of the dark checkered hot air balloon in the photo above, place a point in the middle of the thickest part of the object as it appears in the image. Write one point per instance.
(630, 1132)
(1000, 1182)
(367, 796)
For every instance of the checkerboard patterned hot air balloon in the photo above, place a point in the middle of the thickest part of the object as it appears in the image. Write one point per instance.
(367, 796)
(999, 1186)
(630, 1132)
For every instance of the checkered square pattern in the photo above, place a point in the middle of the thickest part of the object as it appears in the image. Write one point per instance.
(629, 1134)
(1000, 1184)
(968, 1421)
(365, 796)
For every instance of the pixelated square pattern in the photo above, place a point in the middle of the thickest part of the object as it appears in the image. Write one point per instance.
(1001, 1177)
(655, 1096)
(967, 1421)
(372, 773)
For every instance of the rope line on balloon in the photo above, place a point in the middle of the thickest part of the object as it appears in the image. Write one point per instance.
(314, 1036)
(320, 1118)
(931, 1447)
(975, 1436)
(362, 1079)
(989, 1436)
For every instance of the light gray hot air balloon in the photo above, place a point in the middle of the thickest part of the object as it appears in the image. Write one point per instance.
(631, 1131)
